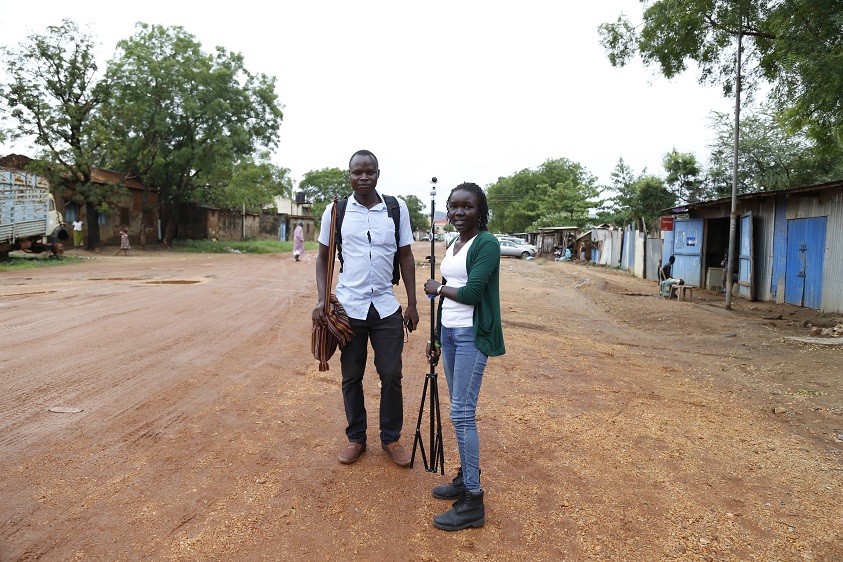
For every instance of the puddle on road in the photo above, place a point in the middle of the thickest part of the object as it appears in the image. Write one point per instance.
(31, 293)
(165, 282)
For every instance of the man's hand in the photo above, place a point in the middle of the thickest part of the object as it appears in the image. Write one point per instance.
(318, 316)
(411, 317)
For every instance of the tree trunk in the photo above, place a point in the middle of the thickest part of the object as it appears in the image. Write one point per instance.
(144, 213)
(169, 227)
(92, 217)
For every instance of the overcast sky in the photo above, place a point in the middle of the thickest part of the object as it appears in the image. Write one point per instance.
(461, 90)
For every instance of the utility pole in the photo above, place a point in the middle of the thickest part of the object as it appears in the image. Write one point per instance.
(733, 216)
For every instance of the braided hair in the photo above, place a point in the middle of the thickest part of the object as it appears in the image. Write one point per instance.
(482, 204)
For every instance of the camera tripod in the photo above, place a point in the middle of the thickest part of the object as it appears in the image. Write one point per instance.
(436, 462)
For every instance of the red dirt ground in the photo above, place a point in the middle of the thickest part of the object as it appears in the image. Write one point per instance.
(618, 426)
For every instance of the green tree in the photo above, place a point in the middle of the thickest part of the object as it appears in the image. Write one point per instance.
(795, 45)
(253, 183)
(684, 176)
(418, 220)
(55, 98)
(182, 118)
(557, 186)
(617, 207)
(804, 64)
(637, 200)
(652, 198)
(771, 156)
(322, 185)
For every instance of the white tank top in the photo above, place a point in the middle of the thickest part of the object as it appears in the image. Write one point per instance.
(456, 314)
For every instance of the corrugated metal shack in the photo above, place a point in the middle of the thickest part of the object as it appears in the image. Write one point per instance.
(549, 238)
(790, 245)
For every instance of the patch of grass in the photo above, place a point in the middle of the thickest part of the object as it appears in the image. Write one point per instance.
(238, 246)
(21, 260)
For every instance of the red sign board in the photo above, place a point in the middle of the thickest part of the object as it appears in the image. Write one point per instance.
(665, 223)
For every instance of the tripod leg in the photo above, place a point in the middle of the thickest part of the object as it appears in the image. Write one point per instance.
(417, 441)
(441, 447)
(434, 400)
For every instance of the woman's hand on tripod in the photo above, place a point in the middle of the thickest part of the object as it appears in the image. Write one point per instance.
(434, 349)
(431, 287)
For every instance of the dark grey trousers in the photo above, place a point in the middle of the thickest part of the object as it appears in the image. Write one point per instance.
(387, 337)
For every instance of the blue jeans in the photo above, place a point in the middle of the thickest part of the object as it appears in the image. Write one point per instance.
(464, 365)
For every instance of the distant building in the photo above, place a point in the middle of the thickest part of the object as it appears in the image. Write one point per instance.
(293, 211)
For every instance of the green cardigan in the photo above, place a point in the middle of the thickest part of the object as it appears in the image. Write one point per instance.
(482, 290)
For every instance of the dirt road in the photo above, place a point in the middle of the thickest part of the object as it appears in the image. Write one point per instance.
(618, 426)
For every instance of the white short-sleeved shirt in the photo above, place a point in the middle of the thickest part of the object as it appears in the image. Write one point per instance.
(455, 271)
(368, 248)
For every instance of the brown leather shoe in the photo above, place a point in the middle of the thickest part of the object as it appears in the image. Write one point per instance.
(351, 452)
(398, 453)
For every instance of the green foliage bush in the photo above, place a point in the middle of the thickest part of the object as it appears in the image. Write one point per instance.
(251, 246)
(22, 260)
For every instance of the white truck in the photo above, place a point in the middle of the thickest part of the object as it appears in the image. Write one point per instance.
(29, 220)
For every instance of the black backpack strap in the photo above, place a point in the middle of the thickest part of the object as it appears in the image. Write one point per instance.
(394, 211)
(341, 204)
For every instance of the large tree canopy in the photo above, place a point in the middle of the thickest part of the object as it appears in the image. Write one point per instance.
(252, 182)
(771, 156)
(795, 45)
(183, 119)
(322, 185)
(54, 97)
(558, 187)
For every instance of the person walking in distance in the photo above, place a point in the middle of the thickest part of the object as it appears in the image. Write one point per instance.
(78, 241)
(124, 242)
(364, 288)
(469, 332)
(298, 241)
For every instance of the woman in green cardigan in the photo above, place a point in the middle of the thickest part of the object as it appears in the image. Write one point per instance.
(469, 332)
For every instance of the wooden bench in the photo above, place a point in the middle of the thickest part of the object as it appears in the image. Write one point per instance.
(683, 292)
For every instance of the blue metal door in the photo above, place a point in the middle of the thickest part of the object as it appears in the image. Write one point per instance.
(805, 254)
(687, 247)
(746, 275)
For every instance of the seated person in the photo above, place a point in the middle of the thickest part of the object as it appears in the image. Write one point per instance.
(666, 281)
(667, 286)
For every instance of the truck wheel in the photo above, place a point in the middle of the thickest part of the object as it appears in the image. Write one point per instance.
(57, 249)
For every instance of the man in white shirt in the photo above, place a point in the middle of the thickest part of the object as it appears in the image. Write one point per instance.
(365, 290)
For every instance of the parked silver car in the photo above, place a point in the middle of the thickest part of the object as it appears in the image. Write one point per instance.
(510, 248)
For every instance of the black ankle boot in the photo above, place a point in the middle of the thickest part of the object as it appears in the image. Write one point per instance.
(468, 511)
(452, 490)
